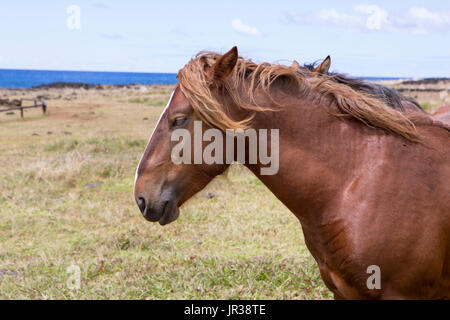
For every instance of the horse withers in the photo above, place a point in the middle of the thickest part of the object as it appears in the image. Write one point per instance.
(369, 184)
(442, 114)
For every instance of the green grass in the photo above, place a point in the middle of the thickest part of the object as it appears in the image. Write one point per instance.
(241, 244)
(158, 99)
(139, 100)
(428, 106)
(158, 103)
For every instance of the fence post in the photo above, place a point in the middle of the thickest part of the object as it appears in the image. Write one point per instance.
(21, 112)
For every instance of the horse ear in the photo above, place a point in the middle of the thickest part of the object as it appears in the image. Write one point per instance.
(324, 66)
(295, 65)
(224, 66)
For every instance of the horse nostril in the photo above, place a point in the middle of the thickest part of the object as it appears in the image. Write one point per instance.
(141, 204)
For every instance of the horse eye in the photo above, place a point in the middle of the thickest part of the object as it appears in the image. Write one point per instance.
(178, 121)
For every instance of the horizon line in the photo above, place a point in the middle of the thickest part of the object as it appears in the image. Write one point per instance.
(64, 70)
(174, 73)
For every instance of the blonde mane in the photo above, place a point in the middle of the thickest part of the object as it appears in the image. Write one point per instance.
(211, 100)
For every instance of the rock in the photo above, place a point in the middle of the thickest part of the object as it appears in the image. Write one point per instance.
(93, 184)
(72, 85)
(210, 195)
(143, 89)
(4, 272)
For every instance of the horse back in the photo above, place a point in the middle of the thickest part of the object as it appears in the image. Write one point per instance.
(442, 114)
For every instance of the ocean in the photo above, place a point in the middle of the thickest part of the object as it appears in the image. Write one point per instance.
(31, 78)
(14, 79)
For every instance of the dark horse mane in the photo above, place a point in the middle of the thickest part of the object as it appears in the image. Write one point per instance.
(390, 97)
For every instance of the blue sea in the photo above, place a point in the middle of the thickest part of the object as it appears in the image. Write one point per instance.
(31, 78)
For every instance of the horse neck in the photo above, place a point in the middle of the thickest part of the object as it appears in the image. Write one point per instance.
(316, 156)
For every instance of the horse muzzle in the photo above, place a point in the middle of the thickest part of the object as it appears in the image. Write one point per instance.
(164, 210)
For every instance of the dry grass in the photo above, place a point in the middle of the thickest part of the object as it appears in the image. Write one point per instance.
(243, 243)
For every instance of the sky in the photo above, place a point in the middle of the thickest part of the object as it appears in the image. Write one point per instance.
(364, 38)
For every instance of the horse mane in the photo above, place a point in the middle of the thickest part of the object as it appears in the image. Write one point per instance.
(390, 97)
(210, 100)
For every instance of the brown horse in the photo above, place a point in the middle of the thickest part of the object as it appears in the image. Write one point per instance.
(390, 97)
(370, 185)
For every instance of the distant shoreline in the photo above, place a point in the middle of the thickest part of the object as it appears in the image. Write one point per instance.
(85, 86)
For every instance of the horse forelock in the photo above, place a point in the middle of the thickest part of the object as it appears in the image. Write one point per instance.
(211, 101)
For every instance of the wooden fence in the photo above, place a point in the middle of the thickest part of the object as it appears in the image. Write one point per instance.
(19, 104)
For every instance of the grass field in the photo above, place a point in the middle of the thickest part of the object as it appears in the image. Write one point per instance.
(66, 182)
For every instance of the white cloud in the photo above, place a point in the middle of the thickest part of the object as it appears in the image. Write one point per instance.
(424, 20)
(417, 20)
(240, 26)
(424, 14)
(334, 17)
